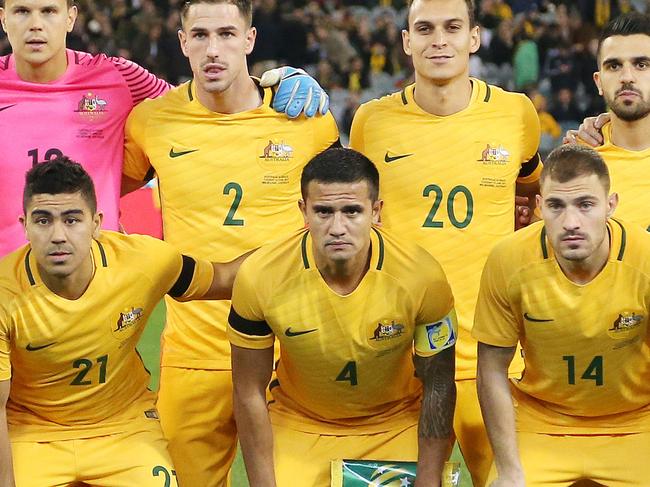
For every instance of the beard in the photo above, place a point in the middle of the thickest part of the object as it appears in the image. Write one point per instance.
(629, 111)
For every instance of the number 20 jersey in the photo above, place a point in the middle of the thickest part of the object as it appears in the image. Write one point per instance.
(228, 184)
(448, 183)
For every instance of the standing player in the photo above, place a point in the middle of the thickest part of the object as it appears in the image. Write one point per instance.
(55, 101)
(623, 79)
(452, 153)
(346, 302)
(575, 292)
(73, 304)
(228, 168)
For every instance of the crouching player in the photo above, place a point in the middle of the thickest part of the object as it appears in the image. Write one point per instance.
(346, 301)
(73, 304)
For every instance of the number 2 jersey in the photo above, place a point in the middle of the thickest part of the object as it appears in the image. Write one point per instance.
(346, 362)
(448, 183)
(81, 115)
(586, 350)
(74, 369)
(228, 184)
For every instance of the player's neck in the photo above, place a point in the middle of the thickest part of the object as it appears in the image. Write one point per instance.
(443, 98)
(344, 277)
(42, 73)
(631, 135)
(584, 271)
(242, 95)
(72, 286)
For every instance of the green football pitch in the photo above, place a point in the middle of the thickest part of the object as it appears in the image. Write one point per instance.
(149, 348)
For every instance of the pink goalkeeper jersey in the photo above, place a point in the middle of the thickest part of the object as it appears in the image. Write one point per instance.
(81, 115)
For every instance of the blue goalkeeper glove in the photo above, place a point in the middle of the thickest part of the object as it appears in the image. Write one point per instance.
(297, 92)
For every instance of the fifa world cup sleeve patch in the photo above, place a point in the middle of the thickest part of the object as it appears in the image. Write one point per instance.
(433, 338)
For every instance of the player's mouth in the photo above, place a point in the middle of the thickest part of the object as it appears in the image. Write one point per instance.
(573, 239)
(628, 94)
(440, 58)
(36, 44)
(338, 245)
(59, 256)
(213, 71)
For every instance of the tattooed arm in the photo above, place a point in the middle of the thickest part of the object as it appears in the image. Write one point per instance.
(436, 415)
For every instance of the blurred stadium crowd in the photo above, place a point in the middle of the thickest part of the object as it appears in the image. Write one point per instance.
(545, 48)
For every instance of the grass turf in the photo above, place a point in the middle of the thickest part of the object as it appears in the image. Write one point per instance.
(149, 348)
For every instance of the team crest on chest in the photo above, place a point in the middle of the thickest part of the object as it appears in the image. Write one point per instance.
(495, 155)
(386, 332)
(92, 107)
(277, 151)
(124, 325)
(625, 325)
(277, 157)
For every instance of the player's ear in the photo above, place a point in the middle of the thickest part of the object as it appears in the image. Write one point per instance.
(406, 42)
(182, 39)
(597, 81)
(612, 203)
(475, 42)
(3, 19)
(376, 212)
(72, 17)
(23, 221)
(251, 35)
(538, 201)
(97, 223)
(303, 210)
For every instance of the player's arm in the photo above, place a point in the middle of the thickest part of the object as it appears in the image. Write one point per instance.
(251, 373)
(436, 414)
(498, 411)
(6, 465)
(528, 178)
(199, 279)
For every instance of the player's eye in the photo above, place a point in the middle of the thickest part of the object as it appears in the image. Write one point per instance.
(642, 65)
(71, 221)
(227, 34)
(21, 11)
(41, 221)
(453, 27)
(199, 35)
(613, 66)
(424, 29)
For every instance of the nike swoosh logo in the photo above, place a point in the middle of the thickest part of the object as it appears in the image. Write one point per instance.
(173, 154)
(290, 333)
(32, 348)
(8, 106)
(388, 158)
(535, 320)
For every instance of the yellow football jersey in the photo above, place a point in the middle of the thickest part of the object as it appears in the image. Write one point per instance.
(345, 361)
(448, 183)
(228, 184)
(628, 171)
(585, 346)
(74, 369)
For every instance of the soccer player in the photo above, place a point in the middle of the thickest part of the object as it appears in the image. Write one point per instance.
(574, 290)
(346, 302)
(452, 152)
(228, 169)
(54, 100)
(73, 304)
(623, 79)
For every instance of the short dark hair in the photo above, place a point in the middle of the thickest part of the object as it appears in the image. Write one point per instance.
(625, 25)
(339, 165)
(69, 3)
(570, 161)
(471, 12)
(56, 176)
(245, 7)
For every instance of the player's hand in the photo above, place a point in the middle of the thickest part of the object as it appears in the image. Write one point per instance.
(589, 131)
(522, 212)
(297, 92)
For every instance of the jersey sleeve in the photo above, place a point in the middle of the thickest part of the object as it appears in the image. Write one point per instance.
(194, 279)
(436, 326)
(494, 319)
(5, 362)
(358, 127)
(247, 327)
(136, 163)
(141, 83)
(531, 166)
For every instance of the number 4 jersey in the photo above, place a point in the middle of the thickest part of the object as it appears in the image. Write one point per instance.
(448, 183)
(228, 184)
(74, 369)
(585, 346)
(346, 362)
